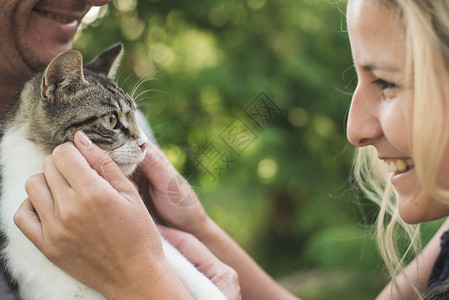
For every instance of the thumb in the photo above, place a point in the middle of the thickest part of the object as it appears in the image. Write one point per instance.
(100, 161)
(156, 167)
(166, 180)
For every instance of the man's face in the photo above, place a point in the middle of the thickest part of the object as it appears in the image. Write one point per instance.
(33, 32)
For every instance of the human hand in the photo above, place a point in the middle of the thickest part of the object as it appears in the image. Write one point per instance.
(89, 220)
(223, 276)
(171, 195)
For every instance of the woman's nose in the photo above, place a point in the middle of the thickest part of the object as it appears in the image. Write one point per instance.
(363, 126)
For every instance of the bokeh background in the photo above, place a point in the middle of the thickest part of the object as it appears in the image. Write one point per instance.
(248, 99)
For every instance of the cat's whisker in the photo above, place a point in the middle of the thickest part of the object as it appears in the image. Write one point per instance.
(146, 105)
(124, 82)
(137, 98)
(118, 75)
(65, 138)
(136, 87)
(148, 76)
(160, 125)
(141, 81)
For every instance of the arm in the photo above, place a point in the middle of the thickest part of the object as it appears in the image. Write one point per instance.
(418, 271)
(223, 276)
(254, 282)
(183, 211)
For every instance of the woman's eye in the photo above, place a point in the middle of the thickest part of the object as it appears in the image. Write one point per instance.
(111, 120)
(383, 84)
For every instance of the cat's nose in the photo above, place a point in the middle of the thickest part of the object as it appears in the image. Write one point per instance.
(143, 141)
(143, 146)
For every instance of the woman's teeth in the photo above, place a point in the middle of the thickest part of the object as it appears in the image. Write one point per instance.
(398, 166)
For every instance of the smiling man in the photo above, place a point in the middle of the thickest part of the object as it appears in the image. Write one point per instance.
(32, 33)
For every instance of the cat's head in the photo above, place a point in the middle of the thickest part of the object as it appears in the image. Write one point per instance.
(72, 97)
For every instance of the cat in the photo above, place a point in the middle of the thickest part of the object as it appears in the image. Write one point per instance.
(64, 98)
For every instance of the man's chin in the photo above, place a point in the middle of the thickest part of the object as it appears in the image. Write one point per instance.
(43, 39)
(37, 58)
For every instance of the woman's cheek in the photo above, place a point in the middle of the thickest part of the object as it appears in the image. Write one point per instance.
(396, 126)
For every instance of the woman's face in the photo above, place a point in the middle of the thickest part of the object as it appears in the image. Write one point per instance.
(380, 113)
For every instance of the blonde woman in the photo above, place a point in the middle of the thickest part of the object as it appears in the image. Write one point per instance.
(398, 119)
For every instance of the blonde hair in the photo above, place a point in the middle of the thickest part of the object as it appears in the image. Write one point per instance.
(426, 25)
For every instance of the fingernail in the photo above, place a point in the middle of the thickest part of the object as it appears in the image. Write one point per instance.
(84, 139)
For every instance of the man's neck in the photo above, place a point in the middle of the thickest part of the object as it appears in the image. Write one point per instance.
(7, 94)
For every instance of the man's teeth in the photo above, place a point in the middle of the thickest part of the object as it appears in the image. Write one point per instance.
(55, 17)
(399, 165)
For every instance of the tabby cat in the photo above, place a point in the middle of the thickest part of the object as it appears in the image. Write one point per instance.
(49, 110)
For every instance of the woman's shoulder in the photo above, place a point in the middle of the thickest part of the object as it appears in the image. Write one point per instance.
(439, 276)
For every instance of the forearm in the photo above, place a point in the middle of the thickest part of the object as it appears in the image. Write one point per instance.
(405, 281)
(254, 282)
(191, 217)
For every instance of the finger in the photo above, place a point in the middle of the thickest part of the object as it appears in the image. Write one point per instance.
(102, 163)
(223, 276)
(156, 167)
(40, 196)
(192, 249)
(56, 182)
(165, 178)
(73, 166)
(29, 223)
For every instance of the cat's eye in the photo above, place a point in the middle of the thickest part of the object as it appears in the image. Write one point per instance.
(111, 119)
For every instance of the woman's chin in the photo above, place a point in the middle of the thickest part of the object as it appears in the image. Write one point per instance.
(420, 207)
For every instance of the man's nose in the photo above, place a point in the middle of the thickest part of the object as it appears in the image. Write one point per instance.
(363, 126)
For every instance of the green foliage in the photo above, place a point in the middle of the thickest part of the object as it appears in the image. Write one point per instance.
(196, 66)
(334, 285)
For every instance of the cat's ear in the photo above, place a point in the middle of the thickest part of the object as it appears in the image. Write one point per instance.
(65, 70)
(107, 62)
